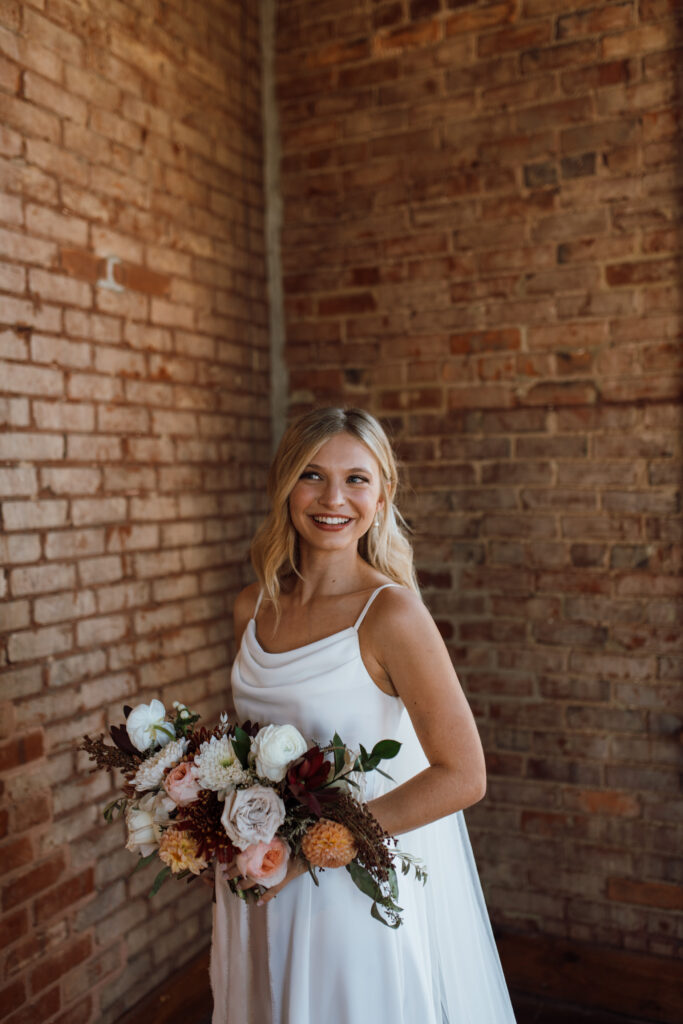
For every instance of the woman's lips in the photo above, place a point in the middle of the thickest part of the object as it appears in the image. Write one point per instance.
(331, 524)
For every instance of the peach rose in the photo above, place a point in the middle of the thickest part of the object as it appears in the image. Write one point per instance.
(266, 863)
(181, 784)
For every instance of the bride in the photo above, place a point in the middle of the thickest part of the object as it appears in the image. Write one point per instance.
(334, 637)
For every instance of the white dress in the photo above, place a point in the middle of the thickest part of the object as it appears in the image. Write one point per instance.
(316, 955)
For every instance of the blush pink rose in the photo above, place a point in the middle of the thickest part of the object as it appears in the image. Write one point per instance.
(266, 863)
(181, 784)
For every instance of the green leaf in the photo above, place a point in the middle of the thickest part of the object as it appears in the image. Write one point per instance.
(144, 861)
(312, 873)
(159, 881)
(364, 880)
(114, 807)
(386, 749)
(386, 776)
(374, 910)
(393, 883)
(241, 743)
(338, 753)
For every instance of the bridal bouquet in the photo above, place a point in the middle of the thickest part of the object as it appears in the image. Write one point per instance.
(253, 795)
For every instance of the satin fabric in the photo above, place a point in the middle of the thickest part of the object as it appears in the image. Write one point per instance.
(314, 953)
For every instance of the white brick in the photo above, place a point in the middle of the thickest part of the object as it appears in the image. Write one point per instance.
(98, 510)
(14, 412)
(155, 507)
(64, 416)
(133, 538)
(33, 515)
(71, 481)
(93, 449)
(152, 620)
(39, 315)
(158, 563)
(102, 630)
(17, 480)
(74, 543)
(23, 682)
(39, 643)
(100, 570)
(95, 386)
(42, 579)
(31, 380)
(49, 349)
(31, 447)
(129, 478)
(63, 607)
(18, 548)
(77, 667)
(12, 345)
(13, 615)
(122, 595)
(59, 288)
(107, 689)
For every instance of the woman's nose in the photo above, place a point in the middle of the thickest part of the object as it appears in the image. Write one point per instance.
(333, 493)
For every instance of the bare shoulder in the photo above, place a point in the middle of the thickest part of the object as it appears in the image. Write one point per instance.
(396, 614)
(243, 608)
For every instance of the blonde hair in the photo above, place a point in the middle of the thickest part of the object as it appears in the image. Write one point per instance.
(274, 549)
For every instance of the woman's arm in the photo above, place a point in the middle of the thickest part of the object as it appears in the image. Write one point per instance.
(404, 639)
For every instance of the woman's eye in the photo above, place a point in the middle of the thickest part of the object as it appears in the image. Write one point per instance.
(309, 474)
(358, 479)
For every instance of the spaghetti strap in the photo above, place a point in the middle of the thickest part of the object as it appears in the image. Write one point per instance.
(258, 603)
(369, 601)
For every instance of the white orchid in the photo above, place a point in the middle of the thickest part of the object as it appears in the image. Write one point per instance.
(146, 725)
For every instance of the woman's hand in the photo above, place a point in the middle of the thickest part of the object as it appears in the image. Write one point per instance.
(295, 867)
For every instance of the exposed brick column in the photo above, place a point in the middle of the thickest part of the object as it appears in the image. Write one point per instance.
(481, 238)
(133, 445)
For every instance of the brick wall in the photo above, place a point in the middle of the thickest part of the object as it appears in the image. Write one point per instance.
(133, 444)
(481, 233)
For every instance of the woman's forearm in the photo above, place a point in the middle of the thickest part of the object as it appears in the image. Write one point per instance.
(434, 793)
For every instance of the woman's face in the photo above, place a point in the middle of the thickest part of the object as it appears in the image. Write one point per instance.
(337, 495)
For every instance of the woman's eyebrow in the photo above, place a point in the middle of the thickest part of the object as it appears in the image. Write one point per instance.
(354, 469)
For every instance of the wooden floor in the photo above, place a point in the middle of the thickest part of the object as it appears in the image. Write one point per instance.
(188, 1001)
(530, 1011)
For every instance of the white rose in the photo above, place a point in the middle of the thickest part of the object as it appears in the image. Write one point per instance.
(252, 815)
(274, 748)
(146, 725)
(144, 820)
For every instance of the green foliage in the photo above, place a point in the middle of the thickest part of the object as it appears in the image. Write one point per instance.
(159, 881)
(114, 809)
(241, 743)
(144, 861)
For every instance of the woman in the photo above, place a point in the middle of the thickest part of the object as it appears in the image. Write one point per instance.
(334, 637)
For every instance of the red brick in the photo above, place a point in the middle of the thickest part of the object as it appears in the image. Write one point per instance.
(649, 894)
(519, 38)
(40, 877)
(51, 968)
(39, 1010)
(401, 39)
(15, 854)
(64, 896)
(20, 750)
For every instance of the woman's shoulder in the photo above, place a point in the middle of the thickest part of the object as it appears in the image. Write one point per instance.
(395, 605)
(244, 607)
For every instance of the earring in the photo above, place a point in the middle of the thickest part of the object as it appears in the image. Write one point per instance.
(376, 522)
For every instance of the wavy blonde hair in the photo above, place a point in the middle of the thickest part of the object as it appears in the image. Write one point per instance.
(275, 549)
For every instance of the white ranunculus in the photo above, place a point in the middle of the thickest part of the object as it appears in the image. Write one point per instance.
(144, 820)
(274, 748)
(147, 725)
(252, 815)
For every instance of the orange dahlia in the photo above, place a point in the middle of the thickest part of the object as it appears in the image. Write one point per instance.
(328, 844)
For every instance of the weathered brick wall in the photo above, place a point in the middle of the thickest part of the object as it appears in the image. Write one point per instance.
(133, 444)
(481, 225)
